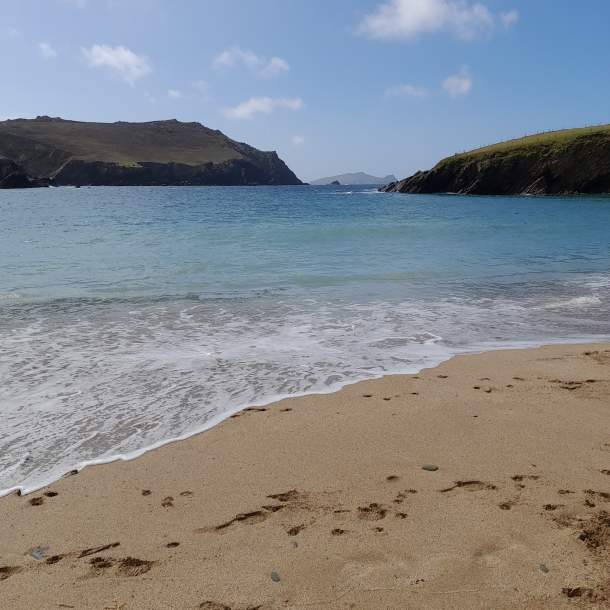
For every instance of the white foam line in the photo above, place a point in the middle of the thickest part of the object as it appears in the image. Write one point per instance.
(477, 348)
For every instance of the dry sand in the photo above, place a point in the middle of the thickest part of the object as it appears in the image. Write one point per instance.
(322, 502)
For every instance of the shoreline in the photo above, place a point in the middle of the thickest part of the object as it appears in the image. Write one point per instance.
(482, 482)
(22, 490)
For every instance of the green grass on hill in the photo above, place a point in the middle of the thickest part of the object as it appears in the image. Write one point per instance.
(523, 145)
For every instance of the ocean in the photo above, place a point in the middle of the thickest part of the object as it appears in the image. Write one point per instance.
(130, 317)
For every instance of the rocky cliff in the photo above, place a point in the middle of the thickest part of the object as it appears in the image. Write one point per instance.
(554, 163)
(42, 151)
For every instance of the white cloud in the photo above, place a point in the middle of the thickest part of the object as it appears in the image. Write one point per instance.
(274, 67)
(510, 18)
(298, 140)
(10, 33)
(236, 56)
(174, 93)
(46, 50)
(406, 19)
(406, 91)
(458, 84)
(262, 105)
(121, 60)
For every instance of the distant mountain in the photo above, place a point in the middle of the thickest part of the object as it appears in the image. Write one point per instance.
(45, 150)
(357, 178)
(569, 161)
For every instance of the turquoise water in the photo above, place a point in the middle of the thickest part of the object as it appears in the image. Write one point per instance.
(131, 316)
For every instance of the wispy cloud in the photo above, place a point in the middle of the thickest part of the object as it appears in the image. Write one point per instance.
(407, 19)
(262, 105)
(297, 140)
(174, 93)
(235, 56)
(458, 84)
(201, 89)
(46, 50)
(509, 19)
(10, 33)
(122, 61)
(406, 91)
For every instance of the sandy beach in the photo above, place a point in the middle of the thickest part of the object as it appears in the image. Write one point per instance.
(483, 483)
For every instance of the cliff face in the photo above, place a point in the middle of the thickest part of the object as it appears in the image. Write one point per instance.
(565, 162)
(55, 151)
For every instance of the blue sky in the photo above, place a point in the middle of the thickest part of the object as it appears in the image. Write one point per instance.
(383, 86)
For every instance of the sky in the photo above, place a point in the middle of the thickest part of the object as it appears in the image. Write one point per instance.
(334, 86)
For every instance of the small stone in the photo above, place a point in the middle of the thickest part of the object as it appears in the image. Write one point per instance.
(275, 577)
(543, 568)
(38, 552)
(430, 467)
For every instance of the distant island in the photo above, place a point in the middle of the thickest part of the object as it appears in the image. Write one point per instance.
(351, 179)
(570, 161)
(53, 151)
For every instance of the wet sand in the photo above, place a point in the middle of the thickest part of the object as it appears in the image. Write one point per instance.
(483, 483)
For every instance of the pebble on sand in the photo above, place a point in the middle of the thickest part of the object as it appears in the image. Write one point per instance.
(430, 467)
(275, 577)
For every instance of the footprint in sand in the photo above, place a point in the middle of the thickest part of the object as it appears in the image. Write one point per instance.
(601, 496)
(596, 532)
(36, 501)
(98, 549)
(287, 496)
(54, 559)
(131, 566)
(99, 564)
(8, 571)
(372, 512)
(402, 496)
(293, 531)
(518, 478)
(167, 502)
(256, 516)
(469, 486)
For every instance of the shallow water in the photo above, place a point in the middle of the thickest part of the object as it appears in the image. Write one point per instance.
(131, 316)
